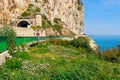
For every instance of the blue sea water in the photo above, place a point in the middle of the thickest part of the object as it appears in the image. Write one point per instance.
(106, 42)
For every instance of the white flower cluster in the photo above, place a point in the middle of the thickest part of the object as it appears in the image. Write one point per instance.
(33, 68)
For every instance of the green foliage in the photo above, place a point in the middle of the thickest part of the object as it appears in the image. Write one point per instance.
(36, 0)
(22, 55)
(31, 11)
(80, 43)
(80, 2)
(41, 48)
(80, 5)
(79, 8)
(36, 27)
(31, 5)
(37, 9)
(44, 17)
(112, 54)
(45, 22)
(49, 23)
(61, 60)
(10, 34)
(13, 63)
(84, 71)
(57, 20)
(26, 14)
(57, 27)
(8, 74)
(59, 42)
(45, 1)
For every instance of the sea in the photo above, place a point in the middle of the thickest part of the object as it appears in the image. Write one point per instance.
(106, 42)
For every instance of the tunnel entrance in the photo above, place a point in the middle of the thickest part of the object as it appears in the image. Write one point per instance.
(24, 24)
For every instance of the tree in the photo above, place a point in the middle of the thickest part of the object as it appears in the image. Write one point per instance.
(10, 35)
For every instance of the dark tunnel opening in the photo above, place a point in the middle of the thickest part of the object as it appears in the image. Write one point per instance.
(23, 24)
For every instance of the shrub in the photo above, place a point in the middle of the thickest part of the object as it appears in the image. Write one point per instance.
(26, 14)
(80, 2)
(53, 41)
(22, 55)
(59, 42)
(112, 54)
(44, 22)
(31, 11)
(10, 35)
(116, 70)
(45, 1)
(8, 74)
(57, 27)
(37, 9)
(13, 63)
(57, 20)
(83, 71)
(41, 48)
(36, 27)
(81, 42)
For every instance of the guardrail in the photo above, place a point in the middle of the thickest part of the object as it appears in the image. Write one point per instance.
(22, 40)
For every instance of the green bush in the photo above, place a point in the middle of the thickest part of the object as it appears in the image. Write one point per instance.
(80, 2)
(57, 27)
(59, 42)
(63, 61)
(26, 14)
(116, 70)
(57, 20)
(45, 22)
(112, 54)
(41, 48)
(22, 55)
(80, 43)
(31, 11)
(8, 74)
(13, 63)
(37, 9)
(82, 71)
(10, 35)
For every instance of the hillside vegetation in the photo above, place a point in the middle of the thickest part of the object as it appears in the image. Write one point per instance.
(56, 59)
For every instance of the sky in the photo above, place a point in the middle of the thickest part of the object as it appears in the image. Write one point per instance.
(102, 17)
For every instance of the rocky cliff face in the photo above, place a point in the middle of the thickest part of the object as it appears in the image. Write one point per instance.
(70, 12)
(11, 9)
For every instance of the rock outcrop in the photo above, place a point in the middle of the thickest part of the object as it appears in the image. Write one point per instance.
(70, 12)
(11, 9)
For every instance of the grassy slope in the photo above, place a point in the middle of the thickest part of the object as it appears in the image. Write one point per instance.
(52, 62)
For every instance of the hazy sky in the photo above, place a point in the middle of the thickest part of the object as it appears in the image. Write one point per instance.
(102, 17)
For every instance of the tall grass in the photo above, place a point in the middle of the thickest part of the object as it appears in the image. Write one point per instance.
(112, 54)
(59, 60)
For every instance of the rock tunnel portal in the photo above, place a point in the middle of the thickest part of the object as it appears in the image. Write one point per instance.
(23, 24)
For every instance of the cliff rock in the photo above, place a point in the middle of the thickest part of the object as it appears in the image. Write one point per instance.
(70, 12)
